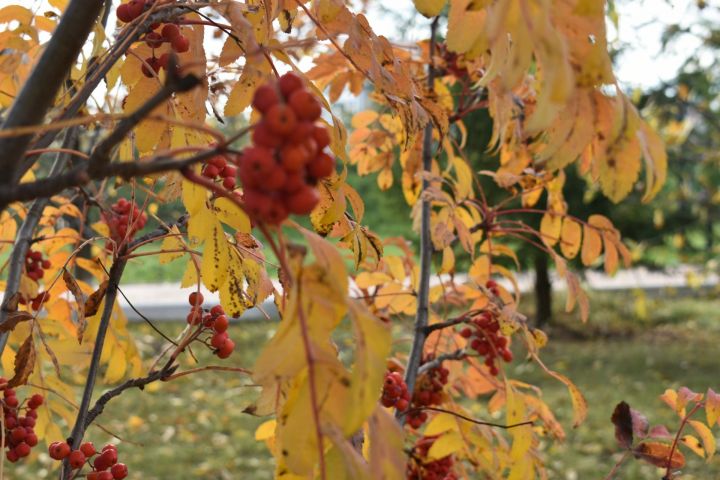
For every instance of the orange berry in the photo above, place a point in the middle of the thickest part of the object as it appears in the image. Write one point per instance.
(264, 98)
(262, 136)
(305, 105)
(275, 180)
(302, 132)
(281, 119)
(294, 157)
(303, 201)
(288, 83)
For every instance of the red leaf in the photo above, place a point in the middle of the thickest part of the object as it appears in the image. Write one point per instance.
(622, 419)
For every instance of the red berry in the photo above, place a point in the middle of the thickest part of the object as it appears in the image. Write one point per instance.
(12, 402)
(119, 471)
(275, 179)
(196, 299)
(31, 439)
(321, 166)
(229, 171)
(18, 434)
(294, 157)
(219, 162)
(221, 324)
(124, 13)
(276, 213)
(264, 98)
(303, 201)
(217, 310)
(76, 459)
(228, 183)
(12, 456)
(227, 349)
(46, 264)
(153, 40)
(88, 449)
(257, 203)
(466, 332)
(170, 31)
(262, 136)
(150, 67)
(136, 8)
(92, 476)
(321, 136)
(35, 401)
(59, 450)
(288, 83)
(219, 339)
(180, 43)
(210, 171)
(305, 105)
(294, 181)
(106, 475)
(22, 449)
(281, 119)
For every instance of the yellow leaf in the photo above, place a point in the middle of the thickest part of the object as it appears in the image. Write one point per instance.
(172, 242)
(570, 238)
(655, 160)
(693, 444)
(611, 254)
(372, 347)
(708, 439)
(372, 279)
(116, 367)
(445, 445)
(550, 228)
(232, 215)
(190, 277)
(430, 8)
(363, 119)
(232, 295)
(712, 407)
(592, 245)
(442, 422)
(516, 413)
(215, 259)
(242, 92)
(480, 270)
(386, 455)
(266, 430)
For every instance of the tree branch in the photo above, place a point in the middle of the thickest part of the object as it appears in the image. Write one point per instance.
(423, 299)
(24, 238)
(41, 88)
(436, 362)
(467, 419)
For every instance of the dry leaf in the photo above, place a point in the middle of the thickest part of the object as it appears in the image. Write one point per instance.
(24, 363)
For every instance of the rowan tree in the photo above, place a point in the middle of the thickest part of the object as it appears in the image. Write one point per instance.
(89, 108)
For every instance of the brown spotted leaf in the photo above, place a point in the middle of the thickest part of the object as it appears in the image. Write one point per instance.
(13, 319)
(74, 288)
(24, 363)
(93, 302)
(658, 454)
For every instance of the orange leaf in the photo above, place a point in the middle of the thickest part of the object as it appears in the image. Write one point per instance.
(592, 245)
(658, 454)
(712, 407)
(24, 362)
(93, 302)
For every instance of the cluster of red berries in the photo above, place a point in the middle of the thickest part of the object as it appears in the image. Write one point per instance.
(35, 265)
(124, 220)
(213, 320)
(218, 168)
(287, 159)
(440, 469)
(428, 392)
(170, 33)
(19, 436)
(37, 301)
(104, 467)
(483, 334)
(395, 392)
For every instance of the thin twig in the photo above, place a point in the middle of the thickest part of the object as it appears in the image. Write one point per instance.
(459, 354)
(423, 299)
(468, 419)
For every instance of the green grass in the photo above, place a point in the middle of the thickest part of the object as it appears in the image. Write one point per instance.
(194, 427)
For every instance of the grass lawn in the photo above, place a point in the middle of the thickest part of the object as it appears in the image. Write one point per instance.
(194, 427)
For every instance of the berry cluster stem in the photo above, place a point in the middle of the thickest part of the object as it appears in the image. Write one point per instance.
(423, 298)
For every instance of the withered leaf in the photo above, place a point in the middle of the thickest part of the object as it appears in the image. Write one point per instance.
(13, 319)
(24, 363)
(93, 302)
(74, 288)
(658, 454)
(629, 423)
(12, 303)
(622, 419)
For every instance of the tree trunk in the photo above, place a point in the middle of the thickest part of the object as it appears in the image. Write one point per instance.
(543, 290)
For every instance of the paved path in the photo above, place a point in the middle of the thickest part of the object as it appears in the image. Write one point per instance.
(169, 302)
